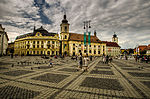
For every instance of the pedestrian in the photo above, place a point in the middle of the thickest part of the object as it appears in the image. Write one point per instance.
(110, 59)
(86, 63)
(104, 59)
(80, 61)
(51, 64)
(107, 58)
(136, 58)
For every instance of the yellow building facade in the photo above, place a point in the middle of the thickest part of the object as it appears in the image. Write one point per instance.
(73, 43)
(40, 42)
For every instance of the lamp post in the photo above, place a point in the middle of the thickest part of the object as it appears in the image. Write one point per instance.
(86, 26)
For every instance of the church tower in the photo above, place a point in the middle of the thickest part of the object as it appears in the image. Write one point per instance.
(64, 29)
(64, 35)
(115, 38)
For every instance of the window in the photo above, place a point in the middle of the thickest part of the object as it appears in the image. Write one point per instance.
(48, 52)
(73, 44)
(48, 42)
(33, 52)
(37, 42)
(33, 42)
(33, 46)
(65, 36)
(84, 51)
(65, 28)
(64, 45)
(94, 45)
(90, 51)
(79, 51)
(41, 46)
(89, 45)
(98, 52)
(94, 51)
(37, 52)
(38, 34)
(42, 42)
(74, 48)
(37, 46)
(52, 52)
(53, 42)
(41, 52)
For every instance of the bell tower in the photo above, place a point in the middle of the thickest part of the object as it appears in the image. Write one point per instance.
(64, 36)
(64, 29)
(115, 38)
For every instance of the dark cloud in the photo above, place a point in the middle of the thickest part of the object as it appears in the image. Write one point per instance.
(130, 19)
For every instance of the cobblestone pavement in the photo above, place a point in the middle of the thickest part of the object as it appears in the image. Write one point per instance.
(31, 77)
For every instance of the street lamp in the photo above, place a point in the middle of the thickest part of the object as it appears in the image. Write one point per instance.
(86, 26)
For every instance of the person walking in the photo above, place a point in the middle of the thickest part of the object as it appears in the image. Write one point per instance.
(107, 59)
(80, 61)
(86, 63)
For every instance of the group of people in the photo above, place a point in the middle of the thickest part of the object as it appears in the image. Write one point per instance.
(106, 59)
(142, 58)
(83, 62)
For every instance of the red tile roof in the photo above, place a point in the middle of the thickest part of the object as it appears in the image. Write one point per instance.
(80, 37)
(111, 44)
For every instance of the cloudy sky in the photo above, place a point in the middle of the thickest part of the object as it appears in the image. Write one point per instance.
(129, 19)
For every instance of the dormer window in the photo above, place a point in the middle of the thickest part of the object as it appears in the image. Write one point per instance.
(38, 34)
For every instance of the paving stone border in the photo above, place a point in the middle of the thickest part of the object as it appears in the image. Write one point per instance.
(137, 74)
(101, 72)
(68, 69)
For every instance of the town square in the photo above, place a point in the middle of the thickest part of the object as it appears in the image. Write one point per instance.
(69, 49)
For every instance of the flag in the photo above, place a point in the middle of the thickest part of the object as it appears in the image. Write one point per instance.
(84, 38)
(89, 38)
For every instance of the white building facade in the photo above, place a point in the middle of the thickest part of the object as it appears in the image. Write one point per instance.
(3, 41)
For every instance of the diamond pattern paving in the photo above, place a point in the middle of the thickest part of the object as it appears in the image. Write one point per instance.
(17, 72)
(53, 78)
(3, 68)
(17, 93)
(69, 69)
(101, 72)
(102, 83)
(147, 83)
(131, 68)
(139, 74)
(102, 67)
(44, 67)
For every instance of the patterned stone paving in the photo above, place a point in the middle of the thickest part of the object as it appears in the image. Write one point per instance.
(131, 68)
(102, 83)
(98, 67)
(13, 92)
(68, 69)
(17, 72)
(147, 83)
(3, 68)
(49, 77)
(101, 72)
(117, 80)
(43, 67)
(136, 74)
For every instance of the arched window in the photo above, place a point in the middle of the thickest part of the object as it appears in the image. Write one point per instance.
(65, 36)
